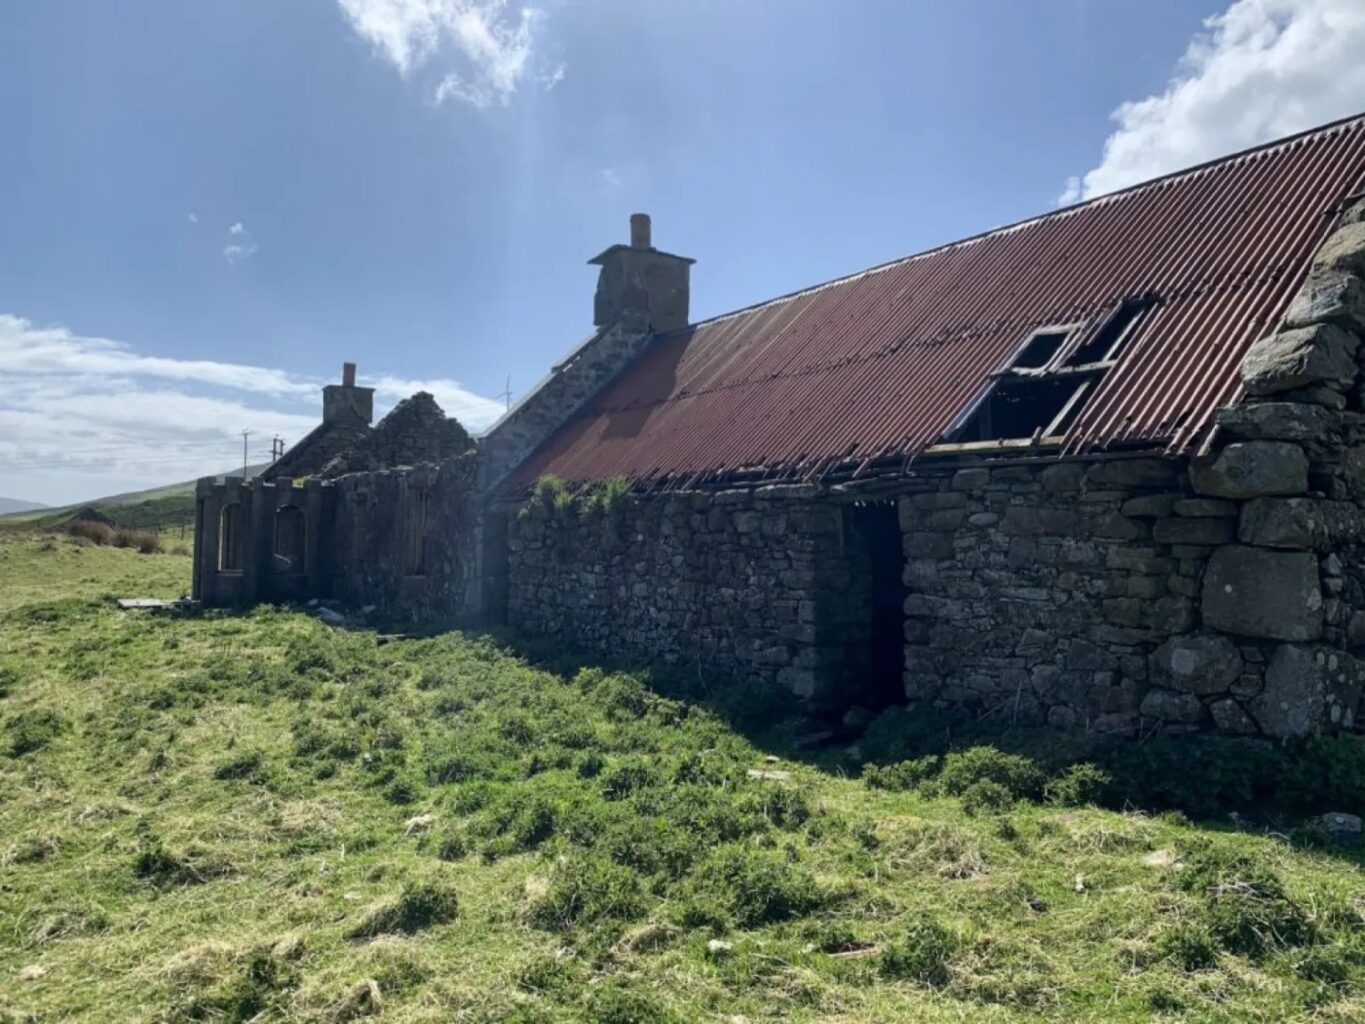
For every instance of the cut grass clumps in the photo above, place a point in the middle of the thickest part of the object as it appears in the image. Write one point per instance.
(921, 953)
(1245, 907)
(585, 888)
(421, 905)
(32, 730)
(1189, 946)
(195, 864)
(746, 887)
(248, 766)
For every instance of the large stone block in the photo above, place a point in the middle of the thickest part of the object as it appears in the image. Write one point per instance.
(1252, 469)
(1328, 296)
(1256, 592)
(1229, 717)
(1308, 691)
(1063, 477)
(1287, 360)
(1168, 706)
(1149, 506)
(1300, 524)
(1123, 473)
(1344, 250)
(1192, 531)
(1282, 421)
(1200, 664)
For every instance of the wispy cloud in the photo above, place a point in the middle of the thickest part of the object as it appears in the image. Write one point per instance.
(482, 50)
(192, 217)
(240, 244)
(82, 416)
(1260, 70)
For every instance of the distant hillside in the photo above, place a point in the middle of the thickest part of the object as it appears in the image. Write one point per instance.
(161, 508)
(8, 505)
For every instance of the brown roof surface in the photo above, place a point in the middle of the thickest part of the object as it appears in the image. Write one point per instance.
(877, 365)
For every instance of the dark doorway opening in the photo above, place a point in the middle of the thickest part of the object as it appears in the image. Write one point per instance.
(880, 562)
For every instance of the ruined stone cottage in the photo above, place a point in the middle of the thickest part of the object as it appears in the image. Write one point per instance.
(1103, 469)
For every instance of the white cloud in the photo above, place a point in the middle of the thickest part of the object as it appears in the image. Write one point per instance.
(609, 178)
(240, 246)
(83, 416)
(1260, 70)
(192, 217)
(485, 48)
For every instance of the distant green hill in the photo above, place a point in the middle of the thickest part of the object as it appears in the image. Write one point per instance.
(8, 505)
(161, 508)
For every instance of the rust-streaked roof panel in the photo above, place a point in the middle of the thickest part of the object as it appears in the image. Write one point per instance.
(877, 365)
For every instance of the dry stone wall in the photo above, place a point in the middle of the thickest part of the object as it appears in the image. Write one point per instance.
(1066, 594)
(747, 586)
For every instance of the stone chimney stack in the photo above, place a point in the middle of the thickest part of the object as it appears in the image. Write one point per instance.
(639, 287)
(345, 400)
(639, 231)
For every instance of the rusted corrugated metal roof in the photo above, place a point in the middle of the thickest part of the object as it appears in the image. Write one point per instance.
(877, 365)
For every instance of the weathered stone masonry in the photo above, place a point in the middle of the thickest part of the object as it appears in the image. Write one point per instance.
(399, 542)
(747, 585)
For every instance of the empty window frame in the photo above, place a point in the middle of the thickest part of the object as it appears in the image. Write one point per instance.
(291, 535)
(1019, 408)
(230, 538)
(415, 533)
(1041, 348)
(1041, 391)
(1106, 343)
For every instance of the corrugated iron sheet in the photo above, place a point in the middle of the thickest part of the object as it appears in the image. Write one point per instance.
(876, 366)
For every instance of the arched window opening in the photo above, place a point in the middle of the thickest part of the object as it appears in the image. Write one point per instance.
(230, 538)
(291, 534)
(415, 534)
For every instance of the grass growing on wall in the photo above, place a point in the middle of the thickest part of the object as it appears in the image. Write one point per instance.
(553, 496)
(256, 817)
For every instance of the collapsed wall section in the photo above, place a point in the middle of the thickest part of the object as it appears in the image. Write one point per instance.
(398, 543)
(405, 541)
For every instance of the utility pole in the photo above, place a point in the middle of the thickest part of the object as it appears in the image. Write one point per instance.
(245, 435)
(276, 447)
(506, 395)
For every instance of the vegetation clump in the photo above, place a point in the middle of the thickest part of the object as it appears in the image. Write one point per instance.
(419, 906)
(921, 953)
(32, 730)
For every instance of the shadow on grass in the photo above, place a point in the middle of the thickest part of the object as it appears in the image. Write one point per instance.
(1224, 783)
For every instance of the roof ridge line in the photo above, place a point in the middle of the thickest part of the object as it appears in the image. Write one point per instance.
(877, 268)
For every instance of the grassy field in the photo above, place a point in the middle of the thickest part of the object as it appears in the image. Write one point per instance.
(233, 818)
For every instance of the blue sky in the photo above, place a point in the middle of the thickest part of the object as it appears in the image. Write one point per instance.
(207, 206)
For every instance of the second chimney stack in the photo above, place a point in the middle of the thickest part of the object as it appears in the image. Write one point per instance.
(639, 231)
